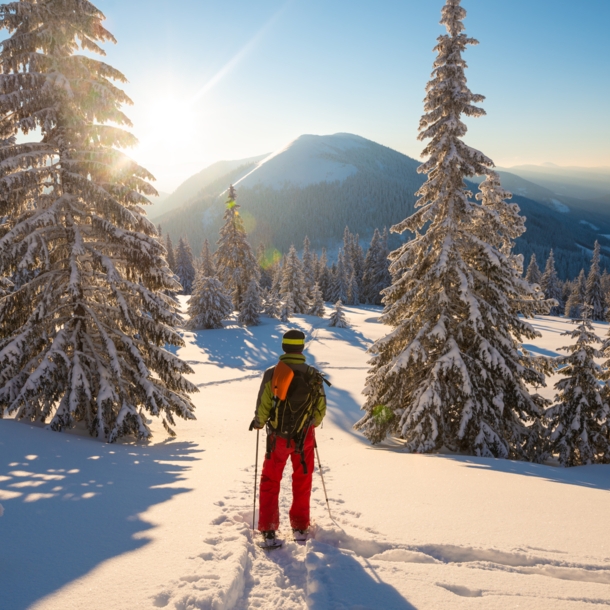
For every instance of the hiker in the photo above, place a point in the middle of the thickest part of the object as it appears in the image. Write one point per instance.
(292, 403)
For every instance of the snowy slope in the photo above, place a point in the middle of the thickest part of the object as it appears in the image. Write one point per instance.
(94, 526)
(307, 160)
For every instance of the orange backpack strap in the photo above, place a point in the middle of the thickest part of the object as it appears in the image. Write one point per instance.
(282, 376)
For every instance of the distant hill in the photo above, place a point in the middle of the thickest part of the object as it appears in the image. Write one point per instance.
(191, 187)
(578, 182)
(317, 185)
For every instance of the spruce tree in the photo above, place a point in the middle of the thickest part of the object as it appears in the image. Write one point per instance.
(576, 419)
(236, 264)
(293, 283)
(324, 276)
(185, 269)
(207, 268)
(171, 255)
(249, 313)
(340, 281)
(594, 295)
(271, 304)
(369, 279)
(286, 308)
(308, 268)
(209, 304)
(533, 274)
(452, 373)
(317, 302)
(550, 285)
(337, 316)
(83, 335)
(577, 296)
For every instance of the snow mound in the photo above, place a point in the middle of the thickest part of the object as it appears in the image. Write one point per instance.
(307, 160)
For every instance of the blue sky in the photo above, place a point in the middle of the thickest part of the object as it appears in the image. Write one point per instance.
(229, 79)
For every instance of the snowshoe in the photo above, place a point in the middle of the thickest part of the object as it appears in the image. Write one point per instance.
(270, 541)
(300, 536)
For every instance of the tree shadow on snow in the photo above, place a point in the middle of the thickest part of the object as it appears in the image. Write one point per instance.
(594, 477)
(239, 347)
(71, 503)
(338, 580)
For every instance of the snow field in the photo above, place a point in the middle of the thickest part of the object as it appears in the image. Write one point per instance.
(169, 525)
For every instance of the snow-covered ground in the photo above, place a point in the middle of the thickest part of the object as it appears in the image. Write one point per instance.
(126, 526)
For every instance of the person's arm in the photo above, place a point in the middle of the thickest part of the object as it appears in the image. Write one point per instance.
(320, 410)
(264, 401)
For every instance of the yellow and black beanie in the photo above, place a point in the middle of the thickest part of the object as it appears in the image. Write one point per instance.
(293, 342)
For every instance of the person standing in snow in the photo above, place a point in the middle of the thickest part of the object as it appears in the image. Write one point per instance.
(292, 403)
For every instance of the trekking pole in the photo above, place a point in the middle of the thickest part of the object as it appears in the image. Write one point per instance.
(323, 484)
(255, 479)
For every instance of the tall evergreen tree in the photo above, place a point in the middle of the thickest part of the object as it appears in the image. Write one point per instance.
(550, 285)
(293, 283)
(83, 335)
(324, 276)
(286, 308)
(317, 302)
(576, 419)
(271, 304)
(340, 280)
(577, 296)
(249, 313)
(309, 271)
(171, 254)
(185, 269)
(235, 262)
(376, 276)
(533, 274)
(594, 295)
(209, 304)
(452, 373)
(207, 268)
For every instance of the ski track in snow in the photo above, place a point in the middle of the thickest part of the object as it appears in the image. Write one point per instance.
(344, 565)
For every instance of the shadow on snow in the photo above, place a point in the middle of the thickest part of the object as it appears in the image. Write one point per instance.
(72, 503)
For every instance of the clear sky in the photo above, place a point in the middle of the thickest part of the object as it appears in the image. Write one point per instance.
(228, 79)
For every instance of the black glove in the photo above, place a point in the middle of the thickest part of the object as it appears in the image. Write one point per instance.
(255, 425)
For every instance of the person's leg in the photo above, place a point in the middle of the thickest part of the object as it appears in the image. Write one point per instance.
(301, 484)
(269, 514)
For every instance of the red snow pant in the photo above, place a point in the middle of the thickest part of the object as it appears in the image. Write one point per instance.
(269, 516)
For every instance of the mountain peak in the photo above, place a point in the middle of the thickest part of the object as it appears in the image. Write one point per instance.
(309, 159)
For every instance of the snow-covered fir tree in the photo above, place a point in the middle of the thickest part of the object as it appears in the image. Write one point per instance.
(286, 308)
(324, 276)
(271, 304)
(185, 268)
(337, 316)
(317, 302)
(207, 268)
(551, 286)
(577, 296)
(171, 255)
(451, 373)
(293, 283)
(594, 295)
(278, 272)
(376, 276)
(250, 308)
(533, 274)
(340, 281)
(83, 335)
(209, 304)
(575, 421)
(236, 264)
(309, 272)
